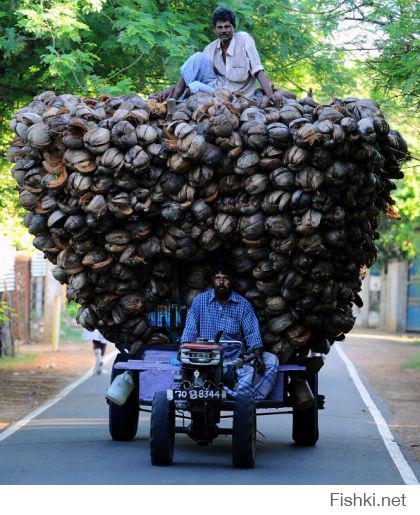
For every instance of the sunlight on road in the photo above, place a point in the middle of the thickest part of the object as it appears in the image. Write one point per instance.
(68, 422)
(382, 336)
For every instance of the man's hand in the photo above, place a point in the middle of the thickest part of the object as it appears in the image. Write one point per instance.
(259, 361)
(163, 95)
(275, 99)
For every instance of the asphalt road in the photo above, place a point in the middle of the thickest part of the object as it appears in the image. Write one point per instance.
(69, 444)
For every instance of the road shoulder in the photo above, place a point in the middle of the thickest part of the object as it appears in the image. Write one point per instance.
(37, 375)
(380, 357)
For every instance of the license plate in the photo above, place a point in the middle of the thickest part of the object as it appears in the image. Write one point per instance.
(197, 394)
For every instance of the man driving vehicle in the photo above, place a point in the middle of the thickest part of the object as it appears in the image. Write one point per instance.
(231, 62)
(222, 309)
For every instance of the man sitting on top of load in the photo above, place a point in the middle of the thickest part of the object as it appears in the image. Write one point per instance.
(231, 62)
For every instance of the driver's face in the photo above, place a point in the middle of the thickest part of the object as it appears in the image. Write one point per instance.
(224, 31)
(222, 283)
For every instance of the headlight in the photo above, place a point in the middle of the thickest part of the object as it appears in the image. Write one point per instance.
(193, 357)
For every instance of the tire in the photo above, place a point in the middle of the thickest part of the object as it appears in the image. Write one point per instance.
(123, 420)
(244, 436)
(305, 422)
(162, 430)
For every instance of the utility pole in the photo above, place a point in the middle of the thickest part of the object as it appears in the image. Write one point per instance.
(365, 294)
(52, 309)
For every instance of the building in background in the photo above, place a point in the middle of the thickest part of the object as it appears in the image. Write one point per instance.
(7, 265)
(391, 298)
(413, 297)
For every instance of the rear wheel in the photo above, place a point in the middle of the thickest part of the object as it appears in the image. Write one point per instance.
(123, 420)
(162, 430)
(305, 422)
(244, 435)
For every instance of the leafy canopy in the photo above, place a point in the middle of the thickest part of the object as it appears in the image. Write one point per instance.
(92, 47)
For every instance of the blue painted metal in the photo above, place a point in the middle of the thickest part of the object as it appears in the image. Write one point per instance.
(277, 393)
(153, 381)
(143, 366)
(290, 368)
(413, 297)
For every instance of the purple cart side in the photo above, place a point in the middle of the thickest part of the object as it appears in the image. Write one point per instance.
(156, 373)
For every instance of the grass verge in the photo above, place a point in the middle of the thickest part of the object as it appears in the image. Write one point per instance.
(21, 358)
(412, 363)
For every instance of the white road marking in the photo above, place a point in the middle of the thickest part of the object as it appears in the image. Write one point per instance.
(403, 467)
(30, 416)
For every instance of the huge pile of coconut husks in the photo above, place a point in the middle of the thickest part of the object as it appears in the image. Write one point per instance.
(133, 205)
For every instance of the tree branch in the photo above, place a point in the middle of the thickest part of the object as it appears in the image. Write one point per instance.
(127, 67)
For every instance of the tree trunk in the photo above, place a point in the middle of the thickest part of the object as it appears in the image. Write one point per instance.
(7, 347)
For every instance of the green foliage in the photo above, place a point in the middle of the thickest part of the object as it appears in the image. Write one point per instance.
(386, 41)
(71, 309)
(396, 71)
(92, 47)
(400, 239)
(5, 312)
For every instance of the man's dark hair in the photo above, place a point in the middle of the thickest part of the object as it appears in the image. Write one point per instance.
(223, 268)
(223, 14)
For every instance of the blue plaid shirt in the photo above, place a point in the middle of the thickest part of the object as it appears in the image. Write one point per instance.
(235, 317)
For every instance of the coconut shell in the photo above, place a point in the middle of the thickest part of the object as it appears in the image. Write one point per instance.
(309, 179)
(256, 184)
(279, 324)
(278, 225)
(225, 225)
(296, 157)
(252, 227)
(279, 135)
(254, 134)
(283, 178)
(136, 160)
(309, 222)
(290, 112)
(38, 135)
(247, 163)
(201, 210)
(97, 140)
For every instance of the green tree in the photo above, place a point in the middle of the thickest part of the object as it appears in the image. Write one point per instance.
(91, 47)
(383, 36)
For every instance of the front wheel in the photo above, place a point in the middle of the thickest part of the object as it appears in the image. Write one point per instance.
(244, 436)
(305, 422)
(162, 430)
(123, 420)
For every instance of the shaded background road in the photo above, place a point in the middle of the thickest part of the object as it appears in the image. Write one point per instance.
(69, 444)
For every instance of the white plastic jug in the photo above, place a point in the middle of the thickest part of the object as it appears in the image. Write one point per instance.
(120, 388)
